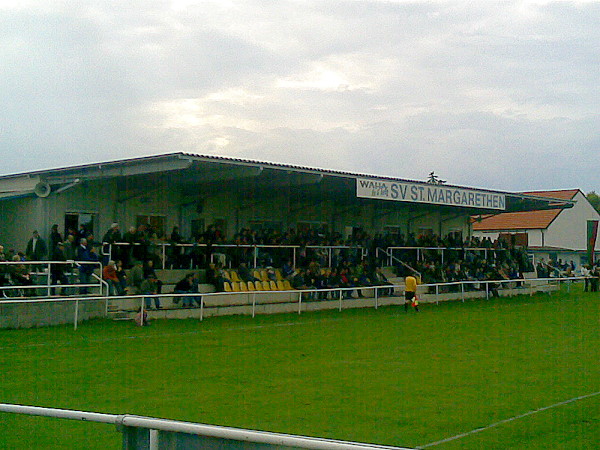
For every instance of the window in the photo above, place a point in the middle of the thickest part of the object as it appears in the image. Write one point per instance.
(155, 224)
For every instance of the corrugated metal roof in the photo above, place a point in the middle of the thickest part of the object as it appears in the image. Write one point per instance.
(527, 220)
(226, 160)
(517, 201)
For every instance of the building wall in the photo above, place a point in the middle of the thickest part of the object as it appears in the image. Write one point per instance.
(122, 200)
(569, 230)
(19, 218)
(535, 237)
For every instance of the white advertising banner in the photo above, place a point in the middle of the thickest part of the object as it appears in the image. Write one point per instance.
(437, 194)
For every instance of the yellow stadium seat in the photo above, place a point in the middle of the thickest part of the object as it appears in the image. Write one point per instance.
(280, 286)
(287, 285)
(235, 286)
(227, 287)
(234, 276)
(256, 274)
(243, 286)
(273, 286)
(263, 275)
(251, 286)
(278, 275)
(265, 285)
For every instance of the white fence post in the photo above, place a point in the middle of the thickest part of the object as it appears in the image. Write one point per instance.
(76, 314)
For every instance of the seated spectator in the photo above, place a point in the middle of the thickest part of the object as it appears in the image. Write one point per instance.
(288, 271)
(109, 274)
(187, 286)
(211, 275)
(271, 275)
(221, 278)
(20, 276)
(345, 282)
(136, 277)
(149, 289)
(245, 274)
(122, 276)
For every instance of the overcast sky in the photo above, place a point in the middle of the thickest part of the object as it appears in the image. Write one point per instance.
(494, 94)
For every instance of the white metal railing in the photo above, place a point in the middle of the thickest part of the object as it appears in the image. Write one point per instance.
(45, 273)
(303, 295)
(419, 251)
(392, 259)
(108, 250)
(230, 437)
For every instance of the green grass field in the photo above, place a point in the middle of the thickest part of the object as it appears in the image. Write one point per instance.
(379, 376)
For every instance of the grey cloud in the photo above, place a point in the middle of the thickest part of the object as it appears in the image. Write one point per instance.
(460, 88)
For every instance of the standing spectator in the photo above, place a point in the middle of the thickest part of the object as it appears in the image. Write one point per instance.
(112, 236)
(70, 248)
(81, 233)
(149, 288)
(55, 238)
(150, 272)
(595, 278)
(36, 248)
(130, 238)
(85, 255)
(585, 272)
(176, 251)
(3, 271)
(57, 271)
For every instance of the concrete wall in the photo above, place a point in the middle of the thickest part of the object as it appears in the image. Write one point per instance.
(29, 315)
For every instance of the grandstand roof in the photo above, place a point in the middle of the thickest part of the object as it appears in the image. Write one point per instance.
(526, 220)
(199, 168)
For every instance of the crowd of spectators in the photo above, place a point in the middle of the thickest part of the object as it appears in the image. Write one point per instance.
(323, 259)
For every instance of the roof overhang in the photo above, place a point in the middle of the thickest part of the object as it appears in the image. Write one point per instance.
(209, 169)
(524, 202)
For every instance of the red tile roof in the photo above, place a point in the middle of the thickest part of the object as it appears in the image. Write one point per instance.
(528, 220)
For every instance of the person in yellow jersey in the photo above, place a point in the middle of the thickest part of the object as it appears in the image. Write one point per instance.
(410, 293)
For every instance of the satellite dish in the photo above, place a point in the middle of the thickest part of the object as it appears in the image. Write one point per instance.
(42, 189)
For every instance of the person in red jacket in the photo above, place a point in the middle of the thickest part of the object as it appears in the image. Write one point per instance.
(109, 274)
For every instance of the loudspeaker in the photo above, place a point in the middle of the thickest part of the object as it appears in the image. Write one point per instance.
(42, 189)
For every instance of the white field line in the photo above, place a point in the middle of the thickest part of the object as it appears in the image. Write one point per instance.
(185, 333)
(520, 416)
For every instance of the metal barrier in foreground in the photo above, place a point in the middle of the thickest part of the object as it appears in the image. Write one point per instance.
(153, 434)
